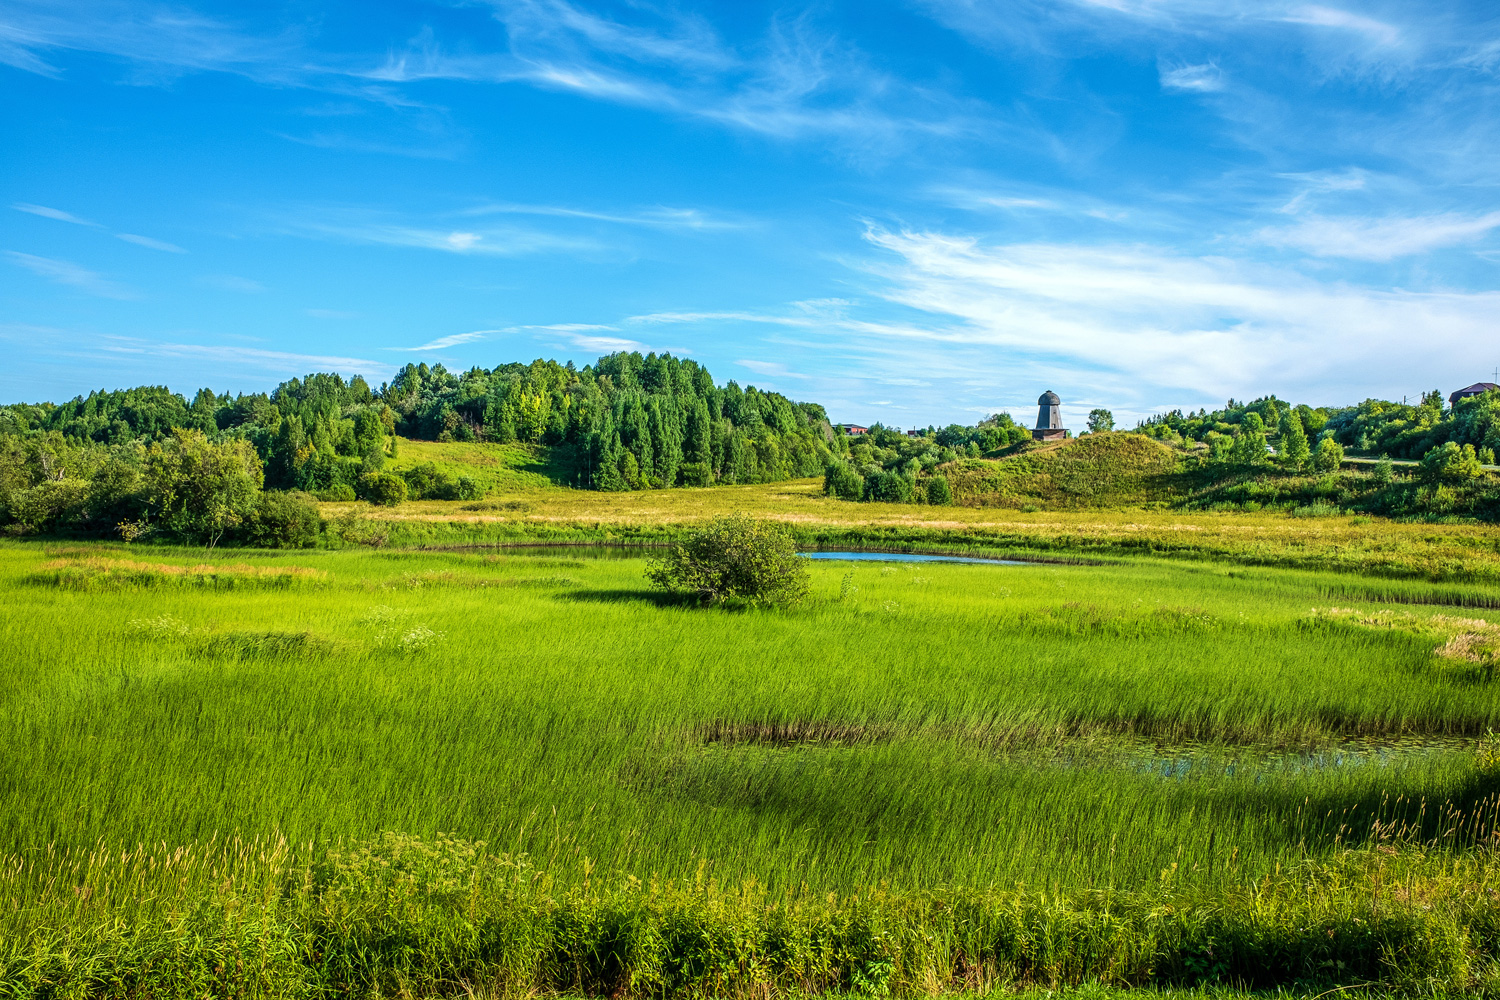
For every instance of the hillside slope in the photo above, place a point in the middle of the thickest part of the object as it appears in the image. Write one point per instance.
(1099, 470)
(502, 468)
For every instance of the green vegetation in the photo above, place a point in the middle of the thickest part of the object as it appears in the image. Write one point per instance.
(232, 777)
(734, 558)
(626, 423)
(1373, 427)
(631, 423)
(1106, 470)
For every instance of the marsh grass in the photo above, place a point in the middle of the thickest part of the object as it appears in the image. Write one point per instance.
(117, 570)
(1456, 553)
(927, 778)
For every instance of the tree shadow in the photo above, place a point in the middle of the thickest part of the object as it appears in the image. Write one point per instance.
(623, 595)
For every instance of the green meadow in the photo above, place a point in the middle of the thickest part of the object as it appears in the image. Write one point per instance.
(365, 772)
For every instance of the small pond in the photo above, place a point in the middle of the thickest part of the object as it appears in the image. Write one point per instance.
(910, 557)
(596, 550)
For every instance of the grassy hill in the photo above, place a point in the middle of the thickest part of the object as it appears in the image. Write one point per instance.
(1100, 470)
(502, 468)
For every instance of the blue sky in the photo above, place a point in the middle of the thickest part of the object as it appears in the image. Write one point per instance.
(915, 212)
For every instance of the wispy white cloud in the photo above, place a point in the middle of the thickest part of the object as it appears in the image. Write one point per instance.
(1203, 77)
(796, 81)
(65, 272)
(1209, 325)
(146, 241)
(770, 369)
(604, 345)
(349, 225)
(658, 217)
(226, 355)
(1376, 32)
(567, 327)
(583, 336)
(716, 317)
(52, 213)
(452, 340)
(1379, 239)
(168, 37)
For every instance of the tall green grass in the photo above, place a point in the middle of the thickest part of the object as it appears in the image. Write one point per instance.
(921, 750)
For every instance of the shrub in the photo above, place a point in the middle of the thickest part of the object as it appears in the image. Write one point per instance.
(203, 488)
(49, 504)
(734, 557)
(283, 520)
(468, 489)
(841, 480)
(888, 487)
(383, 488)
(939, 494)
(1448, 463)
(1329, 456)
(425, 482)
(339, 492)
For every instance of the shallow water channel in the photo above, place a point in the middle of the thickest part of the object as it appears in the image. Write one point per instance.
(911, 557)
(590, 550)
(1195, 761)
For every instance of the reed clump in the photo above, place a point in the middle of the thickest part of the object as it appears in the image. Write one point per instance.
(114, 572)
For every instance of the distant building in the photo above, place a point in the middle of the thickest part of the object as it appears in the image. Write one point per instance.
(1049, 418)
(854, 430)
(916, 433)
(1477, 389)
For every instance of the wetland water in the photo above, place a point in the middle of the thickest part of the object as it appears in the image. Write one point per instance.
(911, 557)
(589, 550)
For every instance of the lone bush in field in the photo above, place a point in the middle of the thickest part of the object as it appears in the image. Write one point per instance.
(384, 489)
(283, 520)
(202, 488)
(939, 493)
(735, 558)
(841, 480)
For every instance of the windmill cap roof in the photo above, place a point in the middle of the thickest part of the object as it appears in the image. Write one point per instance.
(1048, 398)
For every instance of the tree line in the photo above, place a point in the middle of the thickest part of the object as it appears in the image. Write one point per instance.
(135, 460)
(1240, 431)
(886, 465)
(627, 422)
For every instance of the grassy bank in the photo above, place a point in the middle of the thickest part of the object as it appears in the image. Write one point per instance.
(1368, 546)
(929, 777)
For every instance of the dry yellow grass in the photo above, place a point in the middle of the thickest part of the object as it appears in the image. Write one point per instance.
(1469, 552)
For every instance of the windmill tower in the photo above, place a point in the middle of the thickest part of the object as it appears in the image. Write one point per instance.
(1049, 418)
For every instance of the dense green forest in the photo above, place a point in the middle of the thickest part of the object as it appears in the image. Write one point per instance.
(113, 460)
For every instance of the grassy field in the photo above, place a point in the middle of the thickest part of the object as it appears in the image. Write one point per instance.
(371, 772)
(529, 507)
